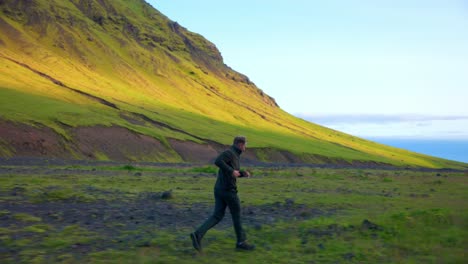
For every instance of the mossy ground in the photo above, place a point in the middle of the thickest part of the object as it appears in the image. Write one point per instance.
(293, 215)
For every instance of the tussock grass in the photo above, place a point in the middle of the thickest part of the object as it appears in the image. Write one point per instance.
(369, 216)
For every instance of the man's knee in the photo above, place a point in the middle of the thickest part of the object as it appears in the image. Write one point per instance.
(218, 216)
(235, 208)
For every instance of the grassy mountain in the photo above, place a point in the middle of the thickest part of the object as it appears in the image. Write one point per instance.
(116, 79)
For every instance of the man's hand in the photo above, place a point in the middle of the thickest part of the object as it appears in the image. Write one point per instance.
(236, 173)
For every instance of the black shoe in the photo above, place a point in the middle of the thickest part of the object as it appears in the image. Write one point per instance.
(245, 246)
(196, 242)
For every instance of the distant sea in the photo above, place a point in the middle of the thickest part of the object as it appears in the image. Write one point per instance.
(443, 148)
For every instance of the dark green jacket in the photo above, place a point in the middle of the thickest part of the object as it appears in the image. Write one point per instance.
(227, 162)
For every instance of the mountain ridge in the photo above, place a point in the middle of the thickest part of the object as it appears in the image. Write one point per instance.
(73, 67)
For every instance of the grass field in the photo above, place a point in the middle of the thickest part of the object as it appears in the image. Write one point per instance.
(116, 214)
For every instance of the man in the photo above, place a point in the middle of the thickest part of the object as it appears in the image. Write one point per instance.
(225, 193)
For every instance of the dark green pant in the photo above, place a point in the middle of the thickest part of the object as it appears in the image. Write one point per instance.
(224, 199)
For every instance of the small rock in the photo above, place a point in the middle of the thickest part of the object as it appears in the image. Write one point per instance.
(438, 175)
(368, 225)
(17, 190)
(137, 174)
(150, 217)
(289, 202)
(321, 246)
(270, 219)
(167, 195)
(249, 211)
(305, 213)
(348, 256)
(143, 244)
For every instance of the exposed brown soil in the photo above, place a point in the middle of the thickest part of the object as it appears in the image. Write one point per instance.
(10, 31)
(32, 141)
(119, 144)
(194, 152)
(123, 145)
(277, 155)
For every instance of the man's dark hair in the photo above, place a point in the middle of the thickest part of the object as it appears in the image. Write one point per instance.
(239, 139)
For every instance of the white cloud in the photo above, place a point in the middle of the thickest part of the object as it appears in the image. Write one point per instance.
(395, 126)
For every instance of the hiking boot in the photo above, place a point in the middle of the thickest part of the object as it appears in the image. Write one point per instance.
(245, 246)
(196, 242)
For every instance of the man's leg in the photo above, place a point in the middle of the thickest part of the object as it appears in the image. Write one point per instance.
(233, 203)
(218, 214)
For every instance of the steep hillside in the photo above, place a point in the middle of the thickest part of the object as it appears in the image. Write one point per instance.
(116, 79)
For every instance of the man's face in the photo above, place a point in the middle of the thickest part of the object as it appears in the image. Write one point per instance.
(242, 146)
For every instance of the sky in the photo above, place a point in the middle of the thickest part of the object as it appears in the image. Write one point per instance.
(388, 68)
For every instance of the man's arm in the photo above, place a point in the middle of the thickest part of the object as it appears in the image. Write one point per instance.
(222, 160)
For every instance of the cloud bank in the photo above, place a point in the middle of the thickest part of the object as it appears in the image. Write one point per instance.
(395, 126)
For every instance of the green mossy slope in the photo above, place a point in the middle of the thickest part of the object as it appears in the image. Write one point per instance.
(123, 63)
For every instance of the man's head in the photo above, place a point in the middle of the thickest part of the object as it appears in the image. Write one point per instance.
(240, 142)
